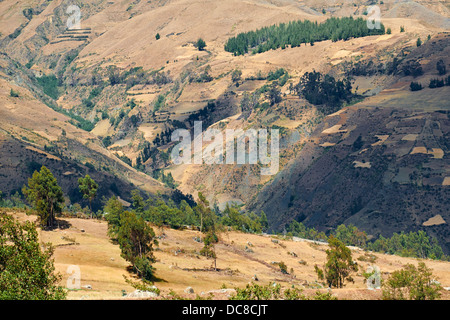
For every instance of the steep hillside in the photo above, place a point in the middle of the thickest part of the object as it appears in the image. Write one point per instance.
(131, 74)
(381, 165)
(33, 134)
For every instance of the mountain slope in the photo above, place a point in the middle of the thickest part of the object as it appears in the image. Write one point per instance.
(382, 165)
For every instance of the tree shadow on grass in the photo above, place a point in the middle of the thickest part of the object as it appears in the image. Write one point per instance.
(58, 224)
(132, 272)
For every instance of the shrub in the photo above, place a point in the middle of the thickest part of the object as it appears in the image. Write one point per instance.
(419, 42)
(436, 83)
(440, 66)
(257, 292)
(13, 93)
(49, 85)
(200, 44)
(414, 86)
(283, 267)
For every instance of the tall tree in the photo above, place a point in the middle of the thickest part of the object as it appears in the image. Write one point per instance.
(136, 239)
(113, 211)
(45, 195)
(88, 187)
(208, 227)
(263, 221)
(339, 264)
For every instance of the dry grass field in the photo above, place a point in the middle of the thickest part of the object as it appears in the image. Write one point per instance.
(240, 258)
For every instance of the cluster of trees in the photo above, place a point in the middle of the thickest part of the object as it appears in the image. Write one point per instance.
(413, 244)
(14, 200)
(434, 83)
(441, 68)
(123, 224)
(409, 283)
(49, 84)
(412, 68)
(246, 222)
(439, 83)
(135, 76)
(298, 229)
(47, 197)
(412, 283)
(188, 213)
(202, 77)
(324, 91)
(167, 179)
(415, 86)
(295, 33)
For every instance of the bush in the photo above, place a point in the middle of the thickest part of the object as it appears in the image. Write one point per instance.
(159, 103)
(436, 83)
(49, 85)
(283, 267)
(414, 86)
(200, 44)
(419, 42)
(257, 292)
(13, 93)
(440, 66)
